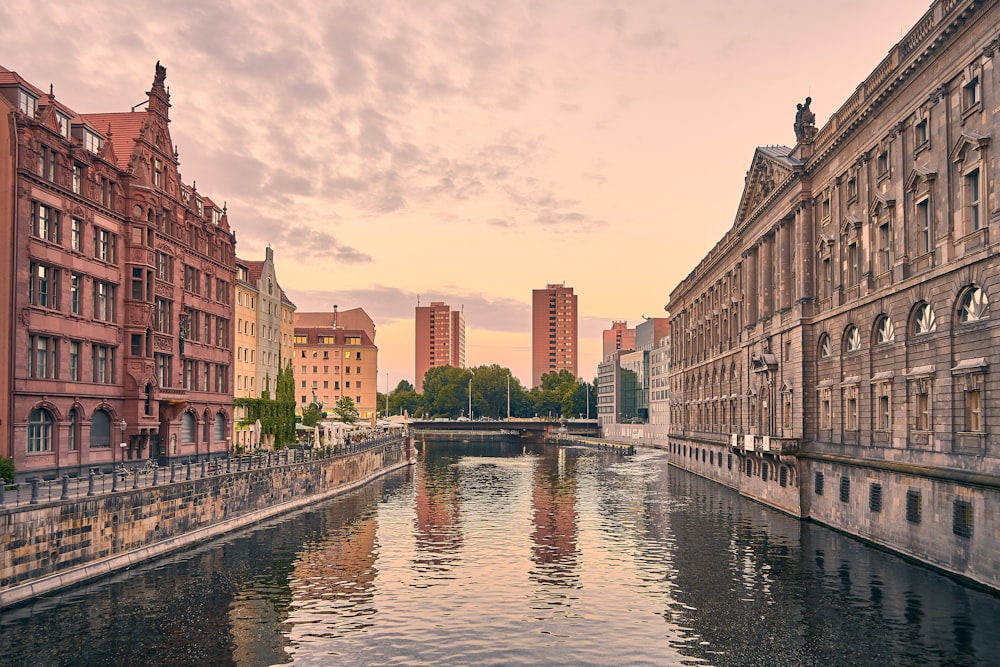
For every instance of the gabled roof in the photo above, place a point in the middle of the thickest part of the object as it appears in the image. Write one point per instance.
(122, 129)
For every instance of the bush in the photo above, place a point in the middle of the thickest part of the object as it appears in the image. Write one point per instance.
(7, 471)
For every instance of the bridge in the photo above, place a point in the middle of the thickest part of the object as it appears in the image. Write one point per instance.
(538, 427)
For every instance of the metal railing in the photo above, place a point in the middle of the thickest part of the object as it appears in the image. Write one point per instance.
(148, 474)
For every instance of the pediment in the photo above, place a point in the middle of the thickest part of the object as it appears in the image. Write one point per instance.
(825, 241)
(879, 203)
(850, 223)
(968, 141)
(770, 169)
(918, 175)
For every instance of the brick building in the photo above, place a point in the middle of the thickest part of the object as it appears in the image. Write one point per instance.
(440, 339)
(833, 355)
(120, 343)
(554, 332)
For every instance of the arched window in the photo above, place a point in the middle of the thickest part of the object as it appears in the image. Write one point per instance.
(220, 427)
(74, 427)
(924, 321)
(825, 346)
(187, 427)
(885, 332)
(100, 430)
(972, 304)
(852, 339)
(40, 431)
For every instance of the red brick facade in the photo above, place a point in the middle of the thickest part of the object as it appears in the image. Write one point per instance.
(123, 283)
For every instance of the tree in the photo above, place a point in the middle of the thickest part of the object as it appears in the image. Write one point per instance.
(345, 410)
(404, 399)
(446, 391)
(312, 414)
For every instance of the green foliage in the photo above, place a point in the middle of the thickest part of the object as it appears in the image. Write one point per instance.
(277, 416)
(312, 414)
(7, 470)
(446, 391)
(345, 410)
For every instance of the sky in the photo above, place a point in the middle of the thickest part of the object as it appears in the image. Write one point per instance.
(464, 151)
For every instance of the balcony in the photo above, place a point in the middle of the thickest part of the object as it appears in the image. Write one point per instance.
(752, 442)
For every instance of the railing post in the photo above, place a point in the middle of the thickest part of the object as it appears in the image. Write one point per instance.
(229, 464)
(188, 477)
(173, 472)
(90, 484)
(156, 476)
(34, 491)
(65, 487)
(3, 492)
(135, 478)
(204, 468)
(114, 480)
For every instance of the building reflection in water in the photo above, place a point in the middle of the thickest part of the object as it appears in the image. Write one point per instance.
(553, 504)
(437, 526)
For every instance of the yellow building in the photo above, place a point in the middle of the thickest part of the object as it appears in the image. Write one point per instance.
(335, 356)
(264, 334)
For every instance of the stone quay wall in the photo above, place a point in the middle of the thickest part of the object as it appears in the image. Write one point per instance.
(50, 546)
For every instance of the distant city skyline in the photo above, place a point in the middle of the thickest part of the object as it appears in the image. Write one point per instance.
(467, 153)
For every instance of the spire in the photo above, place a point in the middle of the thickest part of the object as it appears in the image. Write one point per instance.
(159, 96)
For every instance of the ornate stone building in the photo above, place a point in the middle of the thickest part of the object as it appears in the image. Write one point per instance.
(831, 356)
(122, 279)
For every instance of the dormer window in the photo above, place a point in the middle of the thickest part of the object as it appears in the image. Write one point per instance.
(157, 173)
(92, 141)
(64, 124)
(27, 103)
(200, 205)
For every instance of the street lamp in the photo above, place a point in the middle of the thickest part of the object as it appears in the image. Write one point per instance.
(124, 425)
(470, 397)
(387, 395)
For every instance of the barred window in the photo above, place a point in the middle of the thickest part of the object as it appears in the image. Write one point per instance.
(818, 484)
(962, 518)
(875, 497)
(913, 506)
(845, 489)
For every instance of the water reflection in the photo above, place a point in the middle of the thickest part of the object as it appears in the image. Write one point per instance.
(506, 553)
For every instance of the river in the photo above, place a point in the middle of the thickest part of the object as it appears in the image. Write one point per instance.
(514, 554)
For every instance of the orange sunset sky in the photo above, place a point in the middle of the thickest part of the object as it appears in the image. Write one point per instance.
(465, 151)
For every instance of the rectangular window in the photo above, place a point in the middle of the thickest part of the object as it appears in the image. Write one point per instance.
(875, 497)
(27, 103)
(883, 163)
(973, 421)
(164, 314)
(972, 200)
(853, 264)
(92, 142)
(913, 506)
(103, 360)
(920, 134)
(74, 361)
(845, 489)
(818, 484)
(136, 345)
(44, 222)
(164, 363)
(852, 414)
(827, 278)
(164, 267)
(189, 374)
(104, 301)
(105, 245)
(922, 407)
(42, 358)
(76, 234)
(885, 246)
(75, 283)
(78, 178)
(961, 523)
(923, 226)
(883, 413)
(138, 286)
(852, 188)
(47, 163)
(971, 93)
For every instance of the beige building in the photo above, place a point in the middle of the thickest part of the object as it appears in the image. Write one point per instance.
(264, 334)
(335, 356)
(834, 354)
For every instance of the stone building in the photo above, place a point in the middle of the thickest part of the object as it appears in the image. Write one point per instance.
(831, 355)
(122, 274)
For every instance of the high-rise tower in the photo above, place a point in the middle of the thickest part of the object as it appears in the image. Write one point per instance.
(440, 339)
(554, 334)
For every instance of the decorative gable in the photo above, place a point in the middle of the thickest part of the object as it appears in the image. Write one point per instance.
(969, 141)
(770, 169)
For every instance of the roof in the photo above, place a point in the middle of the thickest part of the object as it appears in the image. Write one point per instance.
(121, 128)
(355, 318)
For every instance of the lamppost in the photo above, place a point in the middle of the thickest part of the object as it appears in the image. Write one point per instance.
(470, 396)
(387, 394)
(124, 425)
(508, 395)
